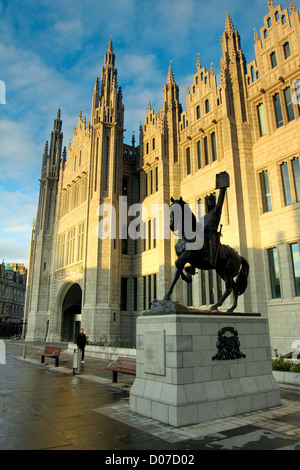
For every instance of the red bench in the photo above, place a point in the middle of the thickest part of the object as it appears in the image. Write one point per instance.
(124, 365)
(50, 351)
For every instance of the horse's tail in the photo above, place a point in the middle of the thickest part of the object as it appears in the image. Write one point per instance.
(242, 277)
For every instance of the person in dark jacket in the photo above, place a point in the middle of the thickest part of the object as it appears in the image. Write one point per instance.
(81, 342)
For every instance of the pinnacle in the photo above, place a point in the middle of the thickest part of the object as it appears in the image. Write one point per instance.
(170, 75)
(228, 24)
(110, 47)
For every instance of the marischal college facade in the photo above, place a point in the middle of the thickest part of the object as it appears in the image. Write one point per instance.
(248, 125)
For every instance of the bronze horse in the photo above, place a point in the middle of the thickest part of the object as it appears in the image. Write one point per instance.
(229, 265)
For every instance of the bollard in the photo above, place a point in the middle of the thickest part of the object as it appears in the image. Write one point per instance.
(76, 361)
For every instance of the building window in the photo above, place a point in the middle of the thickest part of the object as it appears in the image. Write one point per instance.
(203, 288)
(206, 156)
(261, 119)
(198, 112)
(273, 60)
(188, 161)
(286, 50)
(265, 191)
(269, 22)
(265, 33)
(296, 266)
(156, 178)
(207, 106)
(296, 176)
(289, 104)
(214, 147)
(154, 286)
(278, 111)
(199, 158)
(149, 292)
(144, 293)
(123, 305)
(153, 144)
(274, 273)
(283, 19)
(286, 184)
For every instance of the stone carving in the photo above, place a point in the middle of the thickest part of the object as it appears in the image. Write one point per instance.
(228, 344)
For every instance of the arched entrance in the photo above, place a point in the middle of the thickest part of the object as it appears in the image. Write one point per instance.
(71, 313)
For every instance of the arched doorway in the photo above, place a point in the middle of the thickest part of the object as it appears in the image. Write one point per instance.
(71, 313)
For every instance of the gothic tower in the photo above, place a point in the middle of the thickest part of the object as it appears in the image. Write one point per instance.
(103, 258)
(43, 235)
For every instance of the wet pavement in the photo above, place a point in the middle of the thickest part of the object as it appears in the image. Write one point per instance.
(43, 407)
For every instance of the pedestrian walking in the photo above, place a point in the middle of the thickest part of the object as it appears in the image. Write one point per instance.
(81, 342)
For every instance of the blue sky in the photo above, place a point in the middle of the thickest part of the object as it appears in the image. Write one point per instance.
(51, 53)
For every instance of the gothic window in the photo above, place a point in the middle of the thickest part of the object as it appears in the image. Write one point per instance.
(283, 19)
(135, 291)
(269, 22)
(274, 273)
(289, 104)
(156, 178)
(286, 184)
(278, 110)
(198, 112)
(261, 119)
(203, 288)
(265, 191)
(265, 33)
(276, 15)
(189, 294)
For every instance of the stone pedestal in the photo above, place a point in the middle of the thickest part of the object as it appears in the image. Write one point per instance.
(196, 366)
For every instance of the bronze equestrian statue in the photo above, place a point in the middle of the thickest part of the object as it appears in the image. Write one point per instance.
(229, 265)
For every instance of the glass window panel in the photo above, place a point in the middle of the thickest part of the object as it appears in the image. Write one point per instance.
(199, 154)
(278, 111)
(214, 146)
(265, 191)
(188, 161)
(274, 273)
(261, 119)
(206, 151)
(286, 50)
(289, 104)
(273, 60)
(286, 184)
(296, 266)
(203, 288)
(296, 176)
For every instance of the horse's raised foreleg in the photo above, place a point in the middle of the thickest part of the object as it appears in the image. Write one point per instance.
(175, 279)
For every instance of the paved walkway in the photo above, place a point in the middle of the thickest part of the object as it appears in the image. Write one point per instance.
(43, 407)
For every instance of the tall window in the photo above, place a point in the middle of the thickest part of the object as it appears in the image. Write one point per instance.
(188, 161)
(199, 158)
(211, 286)
(80, 240)
(296, 266)
(286, 183)
(274, 273)
(261, 119)
(203, 288)
(265, 191)
(214, 147)
(289, 104)
(278, 111)
(156, 178)
(207, 106)
(198, 112)
(206, 156)
(296, 176)
(273, 60)
(286, 50)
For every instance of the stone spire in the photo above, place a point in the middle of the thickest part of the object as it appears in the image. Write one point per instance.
(170, 78)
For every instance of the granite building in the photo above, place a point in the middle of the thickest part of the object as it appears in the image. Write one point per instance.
(12, 298)
(248, 125)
